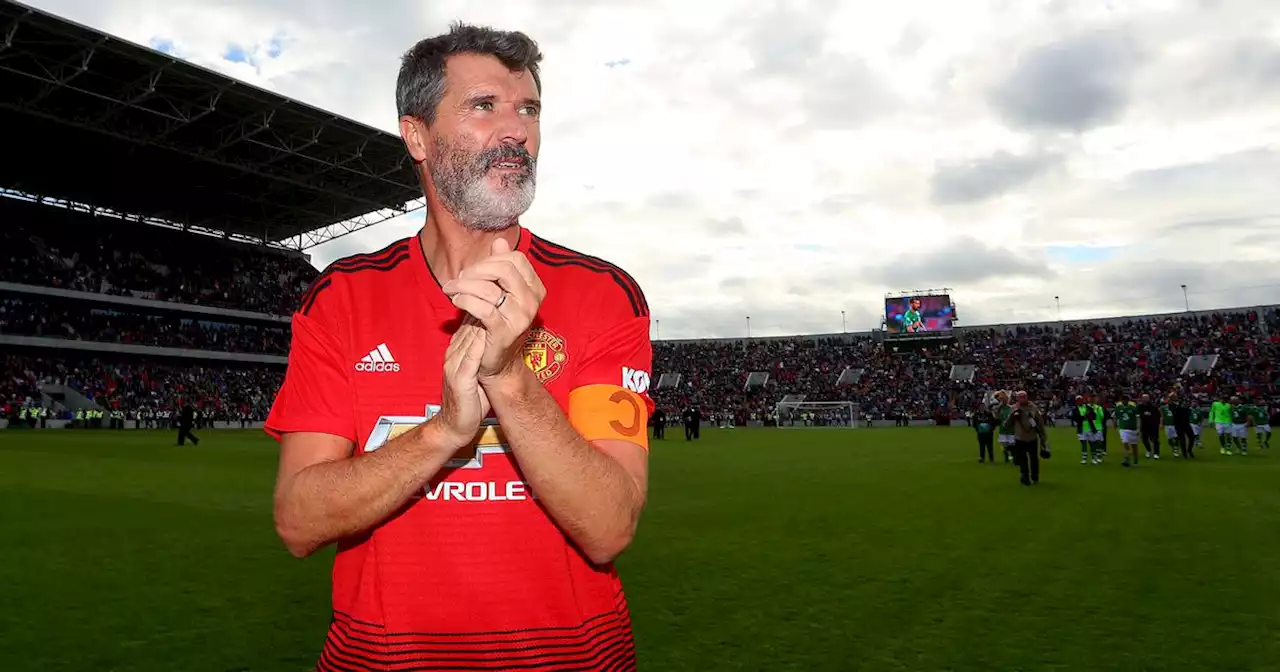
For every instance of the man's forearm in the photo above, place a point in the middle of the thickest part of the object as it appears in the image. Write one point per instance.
(333, 500)
(589, 494)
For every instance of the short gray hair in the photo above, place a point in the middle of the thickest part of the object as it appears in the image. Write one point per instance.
(421, 84)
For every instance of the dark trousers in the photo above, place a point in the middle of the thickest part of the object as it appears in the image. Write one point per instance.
(660, 430)
(1026, 454)
(1151, 442)
(1186, 441)
(691, 430)
(184, 433)
(986, 446)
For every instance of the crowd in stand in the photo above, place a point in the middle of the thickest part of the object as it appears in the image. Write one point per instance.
(1139, 355)
(224, 392)
(52, 247)
(55, 247)
(1134, 356)
(20, 381)
(110, 324)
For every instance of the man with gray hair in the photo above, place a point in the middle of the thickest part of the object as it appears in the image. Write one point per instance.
(464, 413)
(1026, 423)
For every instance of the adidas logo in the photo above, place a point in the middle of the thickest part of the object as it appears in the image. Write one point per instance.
(379, 359)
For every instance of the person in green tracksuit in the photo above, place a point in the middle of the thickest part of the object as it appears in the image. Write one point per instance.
(1220, 416)
(1166, 419)
(1261, 425)
(1198, 415)
(1003, 410)
(1102, 414)
(1126, 413)
(1240, 424)
(1088, 423)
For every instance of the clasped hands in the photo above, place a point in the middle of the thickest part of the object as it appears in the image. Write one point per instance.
(500, 296)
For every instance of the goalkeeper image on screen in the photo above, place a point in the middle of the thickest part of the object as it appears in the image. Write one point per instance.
(911, 320)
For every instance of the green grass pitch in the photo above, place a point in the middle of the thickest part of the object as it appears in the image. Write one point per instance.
(790, 549)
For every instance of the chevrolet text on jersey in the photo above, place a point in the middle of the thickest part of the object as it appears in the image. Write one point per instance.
(478, 491)
(635, 380)
(378, 360)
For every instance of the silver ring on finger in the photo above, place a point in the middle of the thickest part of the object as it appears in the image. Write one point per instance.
(501, 300)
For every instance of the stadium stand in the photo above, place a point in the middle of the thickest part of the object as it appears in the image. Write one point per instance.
(75, 320)
(1139, 354)
(164, 274)
(71, 250)
(167, 279)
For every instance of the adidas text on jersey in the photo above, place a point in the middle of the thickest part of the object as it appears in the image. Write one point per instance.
(378, 360)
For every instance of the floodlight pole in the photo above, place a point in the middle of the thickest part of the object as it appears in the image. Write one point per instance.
(844, 325)
(1185, 302)
(1059, 302)
(657, 326)
(748, 326)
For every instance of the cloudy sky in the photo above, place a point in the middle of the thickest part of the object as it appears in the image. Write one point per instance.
(788, 161)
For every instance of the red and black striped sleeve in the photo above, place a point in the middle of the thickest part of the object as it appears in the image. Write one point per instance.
(317, 394)
(610, 388)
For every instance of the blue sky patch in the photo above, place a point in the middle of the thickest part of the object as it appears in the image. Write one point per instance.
(254, 55)
(1080, 254)
(162, 44)
(237, 54)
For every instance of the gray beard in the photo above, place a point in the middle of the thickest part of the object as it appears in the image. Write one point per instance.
(461, 181)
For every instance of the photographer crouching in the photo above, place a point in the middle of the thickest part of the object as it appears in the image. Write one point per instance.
(1030, 441)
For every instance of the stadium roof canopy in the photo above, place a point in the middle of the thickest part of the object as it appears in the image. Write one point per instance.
(98, 123)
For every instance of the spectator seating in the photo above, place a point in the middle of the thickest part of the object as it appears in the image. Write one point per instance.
(1131, 355)
(56, 247)
(52, 247)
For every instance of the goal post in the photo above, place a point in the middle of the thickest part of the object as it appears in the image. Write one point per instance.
(816, 413)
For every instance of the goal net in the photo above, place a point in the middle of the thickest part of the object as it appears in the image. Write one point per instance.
(816, 414)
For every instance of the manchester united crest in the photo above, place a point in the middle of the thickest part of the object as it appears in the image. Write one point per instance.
(544, 354)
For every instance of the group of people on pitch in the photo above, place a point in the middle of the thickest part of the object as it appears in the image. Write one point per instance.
(1138, 422)
(1021, 427)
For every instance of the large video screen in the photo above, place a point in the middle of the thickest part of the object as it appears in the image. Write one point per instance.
(910, 315)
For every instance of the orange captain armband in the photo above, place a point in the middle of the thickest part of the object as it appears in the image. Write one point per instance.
(609, 412)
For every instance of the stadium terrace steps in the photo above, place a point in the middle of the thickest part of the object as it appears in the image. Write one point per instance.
(69, 397)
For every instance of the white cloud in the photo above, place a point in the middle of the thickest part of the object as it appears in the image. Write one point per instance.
(791, 160)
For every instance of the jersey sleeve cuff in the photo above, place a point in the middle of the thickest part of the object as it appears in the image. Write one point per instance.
(277, 430)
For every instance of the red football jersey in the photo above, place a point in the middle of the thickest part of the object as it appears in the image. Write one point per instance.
(474, 574)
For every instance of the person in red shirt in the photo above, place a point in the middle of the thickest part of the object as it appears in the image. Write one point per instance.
(464, 412)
